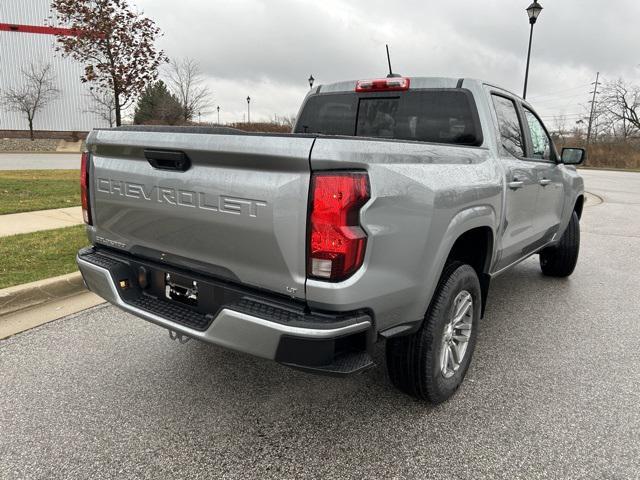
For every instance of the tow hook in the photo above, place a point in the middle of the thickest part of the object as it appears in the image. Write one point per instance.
(178, 336)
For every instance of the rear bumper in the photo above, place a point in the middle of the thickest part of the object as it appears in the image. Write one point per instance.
(250, 324)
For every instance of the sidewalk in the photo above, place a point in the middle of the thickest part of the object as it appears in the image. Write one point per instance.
(39, 161)
(27, 222)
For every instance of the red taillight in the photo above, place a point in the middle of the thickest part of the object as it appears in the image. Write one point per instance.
(393, 84)
(336, 240)
(84, 187)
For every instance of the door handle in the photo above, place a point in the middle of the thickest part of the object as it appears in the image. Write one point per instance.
(167, 159)
(544, 182)
(516, 184)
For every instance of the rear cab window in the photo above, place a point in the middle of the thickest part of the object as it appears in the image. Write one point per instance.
(426, 115)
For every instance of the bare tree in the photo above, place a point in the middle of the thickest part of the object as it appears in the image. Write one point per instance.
(620, 104)
(36, 92)
(104, 105)
(186, 81)
(561, 127)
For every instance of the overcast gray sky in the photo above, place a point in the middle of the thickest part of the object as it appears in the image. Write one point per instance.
(268, 48)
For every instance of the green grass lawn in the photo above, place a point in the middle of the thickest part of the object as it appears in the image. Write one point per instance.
(28, 190)
(33, 256)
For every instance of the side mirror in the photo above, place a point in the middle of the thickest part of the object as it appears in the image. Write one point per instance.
(573, 156)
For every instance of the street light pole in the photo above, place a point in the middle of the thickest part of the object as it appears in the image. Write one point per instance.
(526, 75)
(533, 11)
(218, 109)
(248, 109)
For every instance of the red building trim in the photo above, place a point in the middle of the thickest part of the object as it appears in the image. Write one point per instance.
(10, 27)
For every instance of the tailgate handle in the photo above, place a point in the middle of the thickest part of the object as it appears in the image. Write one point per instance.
(167, 160)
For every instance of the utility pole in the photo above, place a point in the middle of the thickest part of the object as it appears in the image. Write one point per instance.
(593, 107)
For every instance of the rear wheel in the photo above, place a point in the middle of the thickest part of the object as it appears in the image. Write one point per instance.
(431, 363)
(561, 259)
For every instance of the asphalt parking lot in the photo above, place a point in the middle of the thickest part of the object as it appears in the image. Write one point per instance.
(553, 391)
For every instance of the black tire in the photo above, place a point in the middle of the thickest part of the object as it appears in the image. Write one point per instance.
(413, 361)
(560, 260)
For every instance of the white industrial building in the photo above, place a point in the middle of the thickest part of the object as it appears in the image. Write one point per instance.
(27, 36)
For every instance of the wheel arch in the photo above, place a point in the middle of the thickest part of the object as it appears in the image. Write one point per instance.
(471, 238)
(579, 205)
(475, 248)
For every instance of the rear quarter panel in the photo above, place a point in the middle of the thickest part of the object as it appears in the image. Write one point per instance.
(423, 196)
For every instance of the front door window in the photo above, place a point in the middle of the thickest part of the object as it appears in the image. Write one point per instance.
(540, 142)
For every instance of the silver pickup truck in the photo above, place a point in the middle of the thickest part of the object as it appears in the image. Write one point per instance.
(383, 216)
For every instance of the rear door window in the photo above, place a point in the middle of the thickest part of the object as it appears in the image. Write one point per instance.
(509, 126)
(439, 116)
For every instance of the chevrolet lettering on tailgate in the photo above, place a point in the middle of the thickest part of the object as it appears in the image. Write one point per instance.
(181, 198)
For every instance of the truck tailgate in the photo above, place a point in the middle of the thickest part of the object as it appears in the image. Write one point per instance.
(238, 212)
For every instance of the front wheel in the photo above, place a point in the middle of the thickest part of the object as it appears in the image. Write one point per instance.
(561, 259)
(431, 363)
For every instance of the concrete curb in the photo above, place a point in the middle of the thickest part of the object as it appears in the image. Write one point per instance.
(28, 295)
